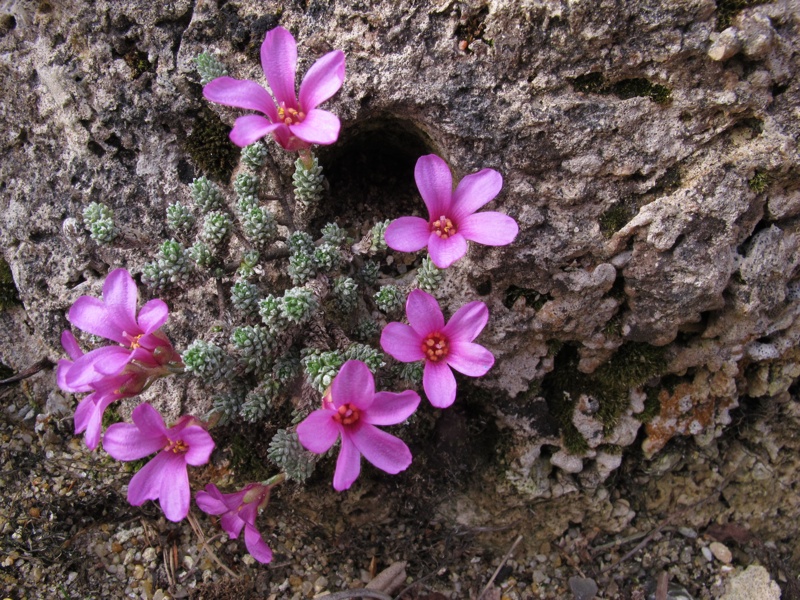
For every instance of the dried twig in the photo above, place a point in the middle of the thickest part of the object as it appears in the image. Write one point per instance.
(45, 363)
(500, 566)
(204, 545)
(357, 593)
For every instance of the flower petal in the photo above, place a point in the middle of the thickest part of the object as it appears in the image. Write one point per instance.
(94, 424)
(391, 408)
(318, 431)
(353, 385)
(439, 384)
(407, 234)
(470, 359)
(91, 315)
(322, 80)
(318, 127)
(119, 296)
(445, 252)
(175, 494)
(467, 323)
(382, 449)
(251, 128)
(279, 61)
(114, 360)
(153, 315)
(474, 191)
(256, 546)
(348, 465)
(146, 483)
(149, 421)
(489, 228)
(62, 372)
(424, 314)
(124, 441)
(241, 93)
(85, 371)
(210, 500)
(200, 445)
(232, 524)
(435, 184)
(70, 345)
(402, 343)
(83, 413)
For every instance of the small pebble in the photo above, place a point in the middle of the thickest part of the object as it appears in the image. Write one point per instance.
(721, 552)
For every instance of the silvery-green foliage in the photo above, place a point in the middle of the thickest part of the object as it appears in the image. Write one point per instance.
(307, 181)
(246, 187)
(179, 217)
(286, 451)
(247, 268)
(258, 402)
(369, 272)
(366, 329)
(378, 231)
(209, 68)
(321, 367)
(99, 220)
(271, 314)
(259, 226)
(255, 155)
(345, 294)
(298, 305)
(201, 254)
(301, 267)
(206, 194)
(389, 298)
(366, 354)
(228, 404)
(216, 227)
(411, 372)
(244, 297)
(429, 276)
(300, 241)
(333, 234)
(327, 256)
(254, 344)
(171, 267)
(208, 361)
(286, 368)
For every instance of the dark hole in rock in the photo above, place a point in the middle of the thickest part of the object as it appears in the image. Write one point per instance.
(371, 174)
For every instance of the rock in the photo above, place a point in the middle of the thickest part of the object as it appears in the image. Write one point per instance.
(721, 552)
(753, 582)
(726, 45)
(583, 588)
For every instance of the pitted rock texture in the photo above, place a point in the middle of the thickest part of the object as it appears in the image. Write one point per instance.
(649, 158)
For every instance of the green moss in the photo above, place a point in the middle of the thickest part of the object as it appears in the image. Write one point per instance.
(9, 296)
(652, 405)
(245, 460)
(759, 182)
(728, 9)
(615, 218)
(595, 83)
(138, 62)
(533, 299)
(211, 148)
(111, 416)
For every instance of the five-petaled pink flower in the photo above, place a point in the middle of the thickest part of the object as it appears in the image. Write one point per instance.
(440, 346)
(239, 510)
(296, 123)
(114, 317)
(453, 219)
(89, 413)
(351, 410)
(165, 477)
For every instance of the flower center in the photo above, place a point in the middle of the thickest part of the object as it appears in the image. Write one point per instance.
(177, 447)
(290, 116)
(435, 347)
(443, 227)
(134, 339)
(347, 414)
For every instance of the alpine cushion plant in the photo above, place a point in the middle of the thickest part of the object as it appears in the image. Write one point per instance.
(165, 477)
(114, 317)
(239, 511)
(452, 214)
(441, 346)
(351, 410)
(294, 122)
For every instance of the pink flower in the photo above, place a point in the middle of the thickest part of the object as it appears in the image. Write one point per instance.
(352, 410)
(165, 477)
(441, 346)
(239, 510)
(294, 123)
(452, 219)
(114, 317)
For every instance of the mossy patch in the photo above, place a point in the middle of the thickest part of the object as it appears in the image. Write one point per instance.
(728, 9)
(9, 295)
(138, 62)
(632, 365)
(595, 83)
(211, 148)
(760, 182)
(616, 217)
(533, 299)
